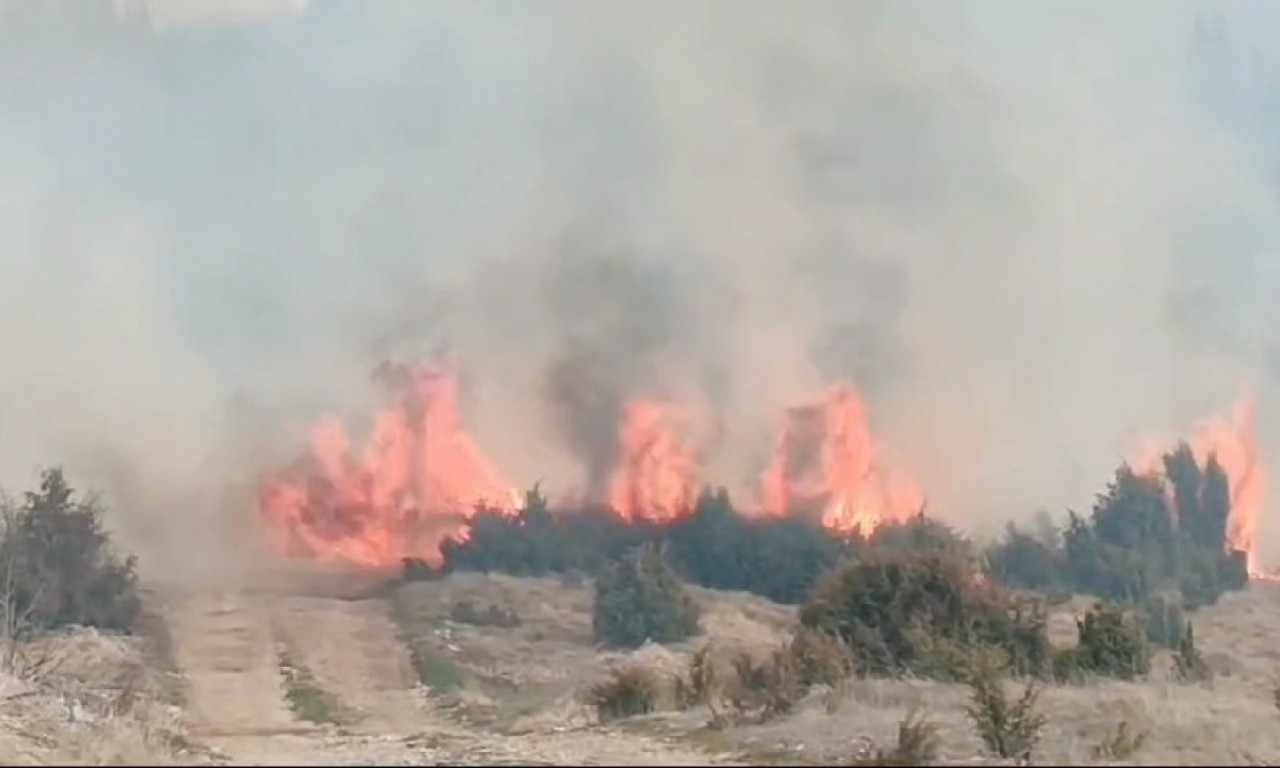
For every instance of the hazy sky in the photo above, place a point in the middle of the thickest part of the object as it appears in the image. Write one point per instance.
(988, 213)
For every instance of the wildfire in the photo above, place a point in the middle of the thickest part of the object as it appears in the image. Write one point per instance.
(656, 476)
(825, 460)
(420, 478)
(1233, 440)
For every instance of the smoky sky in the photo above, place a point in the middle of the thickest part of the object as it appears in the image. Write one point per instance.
(1024, 230)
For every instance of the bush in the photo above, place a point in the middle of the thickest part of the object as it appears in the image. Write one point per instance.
(629, 692)
(640, 599)
(58, 565)
(821, 658)
(744, 686)
(1008, 729)
(918, 744)
(1112, 644)
(919, 533)
(467, 612)
(764, 690)
(924, 613)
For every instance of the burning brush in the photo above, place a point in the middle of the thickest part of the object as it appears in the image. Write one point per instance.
(421, 477)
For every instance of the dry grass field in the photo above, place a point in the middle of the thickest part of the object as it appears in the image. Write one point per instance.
(485, 669)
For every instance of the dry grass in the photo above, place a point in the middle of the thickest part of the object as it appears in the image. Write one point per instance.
(96, 702)
(549, 660)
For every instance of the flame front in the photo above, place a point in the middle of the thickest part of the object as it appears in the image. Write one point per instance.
(1234, 442)
(421, 476)
(656, 476)
(825, 459)
(420, 479)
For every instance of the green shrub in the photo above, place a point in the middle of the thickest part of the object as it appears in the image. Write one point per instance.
(1111, 644)
(924, 613)
(57, 564)
(1009, 729)
(641, 599)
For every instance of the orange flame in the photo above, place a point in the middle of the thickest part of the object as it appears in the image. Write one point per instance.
(1234, 442)
(825, 458)
(420, 479)
(656, 476)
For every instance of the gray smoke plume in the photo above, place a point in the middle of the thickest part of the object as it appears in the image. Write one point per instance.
(1022, 229)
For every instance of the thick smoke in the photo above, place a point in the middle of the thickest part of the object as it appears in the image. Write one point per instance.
(1018, 227)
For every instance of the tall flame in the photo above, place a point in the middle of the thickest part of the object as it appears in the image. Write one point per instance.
(656, 476)
(420, 478)
(825, 459)
(1233, 440)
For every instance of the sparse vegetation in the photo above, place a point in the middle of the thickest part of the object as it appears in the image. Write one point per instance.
(306, 699)
(436, 671)
(467, 612)
(1008, 728)
(640, 599)
(1120, 743)
(1188, 665)
(917, 744)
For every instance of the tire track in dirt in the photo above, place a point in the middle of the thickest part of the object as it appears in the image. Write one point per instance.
(226, 650)
(352, 650)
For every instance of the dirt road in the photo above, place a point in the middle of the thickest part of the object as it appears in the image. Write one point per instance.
(229, 648)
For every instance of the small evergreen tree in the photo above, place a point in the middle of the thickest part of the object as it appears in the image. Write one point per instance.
(640, 599)
(924, 613)
(57, 565)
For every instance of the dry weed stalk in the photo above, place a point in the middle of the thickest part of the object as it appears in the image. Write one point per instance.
(1120, 743)
(918, 744)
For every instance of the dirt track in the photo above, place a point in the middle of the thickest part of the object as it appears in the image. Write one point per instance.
(226, 647)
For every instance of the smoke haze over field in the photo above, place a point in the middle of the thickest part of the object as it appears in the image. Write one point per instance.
(987, 214)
